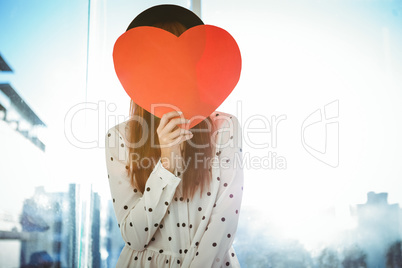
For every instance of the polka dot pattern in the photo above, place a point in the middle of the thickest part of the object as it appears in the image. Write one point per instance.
(161, 220)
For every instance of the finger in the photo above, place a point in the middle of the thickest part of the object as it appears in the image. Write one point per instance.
(168, 143)
(174, 142)
(171, 126)
(166, 117)
(187, 136)
(174, 122)
(182, 138)
(179, 131)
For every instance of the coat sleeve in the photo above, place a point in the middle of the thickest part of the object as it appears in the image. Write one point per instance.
(138, 215)
(221, 229)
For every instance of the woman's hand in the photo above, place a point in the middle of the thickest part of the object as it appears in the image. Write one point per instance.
(170, 138)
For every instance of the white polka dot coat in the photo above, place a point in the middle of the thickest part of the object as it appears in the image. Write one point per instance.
(162, 229)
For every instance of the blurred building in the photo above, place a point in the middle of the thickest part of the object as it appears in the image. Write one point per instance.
(95, 230)
(378, 227)
(63, 227)
(50, 220)
(22, 152)
(19, 116)
(17, 113)
(4, 66)
(113, 241)
(45, 229)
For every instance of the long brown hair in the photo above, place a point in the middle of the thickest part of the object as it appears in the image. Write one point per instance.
(195, 175)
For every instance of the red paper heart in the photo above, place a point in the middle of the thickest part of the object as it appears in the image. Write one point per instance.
(193, 73)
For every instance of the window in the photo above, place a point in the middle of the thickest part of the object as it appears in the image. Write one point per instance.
(318, 100)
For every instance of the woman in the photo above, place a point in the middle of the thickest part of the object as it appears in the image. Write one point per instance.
(176, 193)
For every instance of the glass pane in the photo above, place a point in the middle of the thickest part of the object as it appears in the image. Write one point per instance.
(319, 99)
(42, 205)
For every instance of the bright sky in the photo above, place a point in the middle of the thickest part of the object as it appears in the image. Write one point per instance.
(298, 56)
